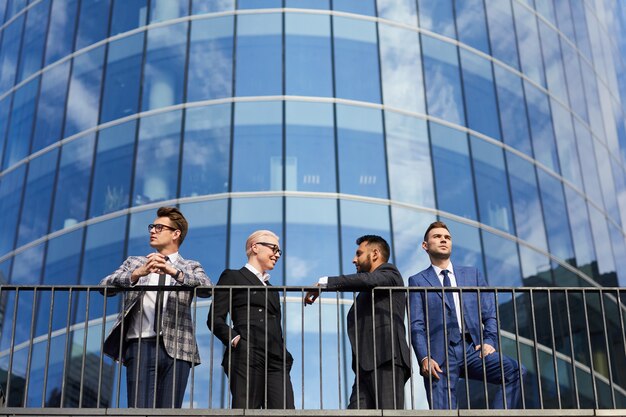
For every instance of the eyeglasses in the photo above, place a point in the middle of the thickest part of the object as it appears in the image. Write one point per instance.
(159, 227)
(272, 246)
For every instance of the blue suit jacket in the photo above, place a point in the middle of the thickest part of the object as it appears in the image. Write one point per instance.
(420, 300)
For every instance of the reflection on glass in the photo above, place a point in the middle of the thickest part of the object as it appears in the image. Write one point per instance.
(5, 107)
(471, 24)
(161, 10)
(596, 118)
(310, 220)
(619, 254)
(554, 210)
(553, 61)
(61, 29)
(466, 247)
(365, 7)
(587, 155)
(104, 250)
(121, 85)
(21, 125)
(541, 127)
(606, 181)
(210, 6)
(259, 55)
(83, 101)
(443, 82)
(138, 235)
(10, 196)
(501, 37)
(248, 215)
(308, 66)
(310, 147)
(63, 259)
(492, 189)
(51, 104)
(70, 198)
(206, 150)
(358, 219)
(408, 153)
(581, 231)
(27, 271)
(401, 68)
(480, 94)
(529, 46)
(437, 16)
(258, 4)
(512, 106)
(566, 141)
(37, 198)
(452, 171)
(127, 15)
(111, 178)
(307, 4)
(210, 59)
(356, 48)
(34, 40)
(408, 232)
(257, 151)
(361, 152)
(526, 202)
(404, 11)
(536, 268)
(582, 32)
(501, 261)
(9, 53)
(158, 151)
(574, 81)
(93, 23)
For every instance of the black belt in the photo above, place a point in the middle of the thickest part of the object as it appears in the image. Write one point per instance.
(468, 338)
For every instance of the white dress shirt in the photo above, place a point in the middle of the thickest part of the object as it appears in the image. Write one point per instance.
(457, 303)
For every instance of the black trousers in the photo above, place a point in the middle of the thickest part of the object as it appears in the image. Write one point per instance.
(380, 384)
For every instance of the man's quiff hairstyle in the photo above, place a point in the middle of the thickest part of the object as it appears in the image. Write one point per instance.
(383, 246)
(177, 219)
(255, 237)
(435, 225)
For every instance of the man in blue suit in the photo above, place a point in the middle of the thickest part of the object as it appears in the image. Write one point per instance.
(439, 347)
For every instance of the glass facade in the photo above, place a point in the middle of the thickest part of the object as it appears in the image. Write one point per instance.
(320, 120)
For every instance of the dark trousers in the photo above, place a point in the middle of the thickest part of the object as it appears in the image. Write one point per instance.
(390, 395)
(147, 363)
(492, 372)
(249, 387)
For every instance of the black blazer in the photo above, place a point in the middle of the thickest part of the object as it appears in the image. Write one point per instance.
(388, 326)
(250, 318)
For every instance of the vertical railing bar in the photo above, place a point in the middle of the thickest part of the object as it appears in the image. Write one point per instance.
(266, 353)
(446, 343)
(482, 346)
(500, 350)
(85, 334)
(139, 349)
(158, 316)
(571, 346)
(230, 340)
(606, 341)
(49, 342)
(338, 346)
(374, 348)
(284, 316)
(319, 329)
(118, 360)
(12, 348)
(211, 349)
(102, 337)
(30, 345)
(517, 348)
(393, 357)
(248, 350)
(591, 366)
(534, 322)
(176, 318)
(67, 344)
(428, 358)
(194, 306)
(462, 324)
(555, 362)
(358, 363)
(408, 315)
(302, 373)
(621, 320)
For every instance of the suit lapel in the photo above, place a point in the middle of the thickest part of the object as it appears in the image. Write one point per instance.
(433, 280)
(254, 280)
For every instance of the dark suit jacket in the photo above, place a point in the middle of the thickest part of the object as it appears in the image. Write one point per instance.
(252, 312)
(465, 277)
(388, 326)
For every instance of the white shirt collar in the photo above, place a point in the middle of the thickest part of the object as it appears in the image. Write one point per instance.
(264, 278)
(438, 270)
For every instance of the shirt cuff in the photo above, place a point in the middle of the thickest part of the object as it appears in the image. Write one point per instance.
(323, 281)
(235, 339)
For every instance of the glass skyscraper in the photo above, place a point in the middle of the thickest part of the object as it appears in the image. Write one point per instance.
(321, 120)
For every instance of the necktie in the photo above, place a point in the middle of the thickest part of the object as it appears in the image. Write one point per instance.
(158, 309)
(454, 334)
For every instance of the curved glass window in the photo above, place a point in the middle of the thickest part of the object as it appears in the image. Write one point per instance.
(34, 40)
(604, 251)
(248, 215)
(206, 241)
(210, 71)
(310, 163)
(5, 107)
(594, 104)
(21, 125)
(63, 259)
(566, 144)
(9, 53)
(3, 7)
(93, 23)
(492, 191)
(257, 147)
(113, 166)
(163, 81)
(210, 6)
(365, 7)
(358, 219)
(582, 32)
(557, 225)
(465, 244)
(501, 37)
(310, 220)
(156, 166)
(564, 18)
(401, 69)
(308, 4)
(259, 55)
(83, 100)
(512, 106)
(408, 152)
(52, 97)
(452, 171)
(72, 190)
(61, 31)
(37, 197)
(443, 81)
(361, 152)
(587, 154)
(529, 46)
(127, 15)
(581, 231)
(27, 271)
(161, 10)
(574, 81)
(206, 151)
(480, 94)
(501, 261)
(553, 61)
(408, 231)
(356, 48)
(541, 129)
(10, 196)
(138, 235)
(471, 24)
(606, 182)
(437, 16)
(536, 270)
(258, 4)
(526, 202)
(308, 60)
(404, 11)
(619, 253)
(120, 96)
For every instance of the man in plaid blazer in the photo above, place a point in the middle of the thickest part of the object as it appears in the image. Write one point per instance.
(154, 333)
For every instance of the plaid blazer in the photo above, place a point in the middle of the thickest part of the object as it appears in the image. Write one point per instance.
(178, 336)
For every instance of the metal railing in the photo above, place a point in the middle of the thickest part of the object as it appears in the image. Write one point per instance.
(571, 343)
